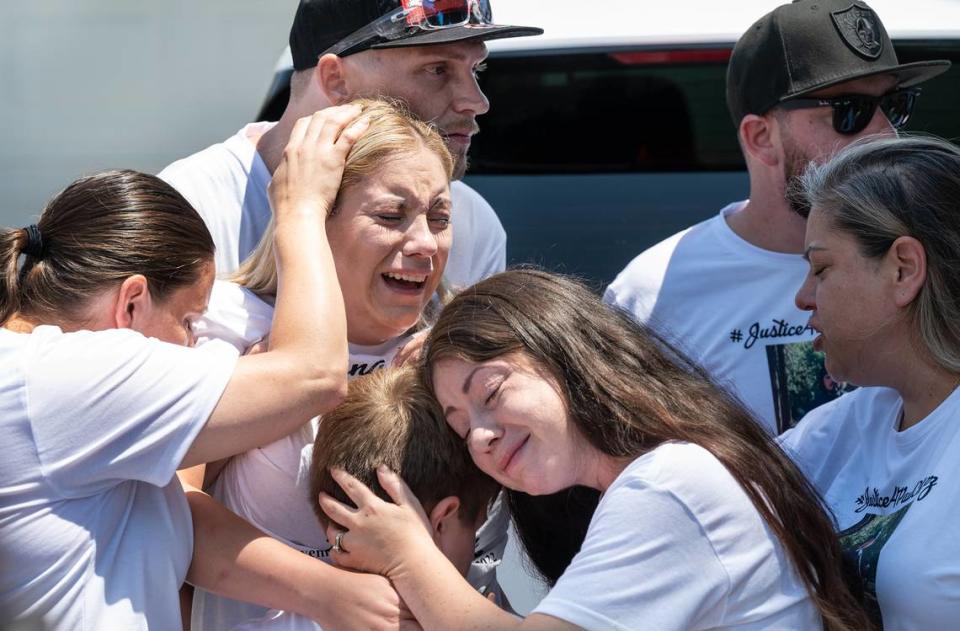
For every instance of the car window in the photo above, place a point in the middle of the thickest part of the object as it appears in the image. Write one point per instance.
(606, 112)
(936, 110)
(640, 111)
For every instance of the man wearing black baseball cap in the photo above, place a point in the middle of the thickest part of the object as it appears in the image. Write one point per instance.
(426, 53)
(803, 81)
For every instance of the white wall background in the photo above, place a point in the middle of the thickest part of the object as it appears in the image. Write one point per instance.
(87, 85)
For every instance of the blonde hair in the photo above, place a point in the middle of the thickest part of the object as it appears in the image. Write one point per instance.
(393, 131)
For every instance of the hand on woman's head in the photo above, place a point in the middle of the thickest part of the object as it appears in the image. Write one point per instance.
(308, 177)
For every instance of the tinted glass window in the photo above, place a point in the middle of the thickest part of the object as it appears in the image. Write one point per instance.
(605, 112)
(641, 111)
(937, 109)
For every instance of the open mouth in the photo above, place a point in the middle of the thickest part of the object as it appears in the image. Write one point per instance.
(405, 281)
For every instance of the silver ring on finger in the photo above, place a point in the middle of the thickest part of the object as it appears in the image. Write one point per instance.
(338, 542)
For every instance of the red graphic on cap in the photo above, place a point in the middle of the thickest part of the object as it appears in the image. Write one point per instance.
(419, 10)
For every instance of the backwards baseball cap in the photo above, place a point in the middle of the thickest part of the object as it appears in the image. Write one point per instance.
(808, 45)
(346, 27)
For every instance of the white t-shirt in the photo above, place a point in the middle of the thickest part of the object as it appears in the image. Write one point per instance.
(729, 306)
(277, 620)
(95, 531)
(270, 486)
(675, 544)
(894, 498)
(227, 184)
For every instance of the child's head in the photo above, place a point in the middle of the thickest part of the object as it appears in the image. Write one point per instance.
(388, 418)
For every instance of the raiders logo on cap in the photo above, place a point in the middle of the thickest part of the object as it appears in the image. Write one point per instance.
(860, 29)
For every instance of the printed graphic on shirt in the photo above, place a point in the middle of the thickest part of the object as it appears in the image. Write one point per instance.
(316, 553)
(862, 544)
(482, 556)
(799, 382)
(359, 369)
(762, 331)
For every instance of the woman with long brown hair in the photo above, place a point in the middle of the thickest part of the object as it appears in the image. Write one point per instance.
(704, 523)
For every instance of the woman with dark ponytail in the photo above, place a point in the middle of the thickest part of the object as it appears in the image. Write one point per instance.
(95, 234)
(704, 523)
(100, 401)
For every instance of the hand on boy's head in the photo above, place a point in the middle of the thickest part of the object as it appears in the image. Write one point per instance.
(377, 536)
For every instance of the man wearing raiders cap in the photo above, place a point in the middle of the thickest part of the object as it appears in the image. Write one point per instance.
(426, 53)
(805, 80)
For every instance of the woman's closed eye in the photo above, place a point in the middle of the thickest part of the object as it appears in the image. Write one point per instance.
(494, 387)
(440, 221)
(390, 217)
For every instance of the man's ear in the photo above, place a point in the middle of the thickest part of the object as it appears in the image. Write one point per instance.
(133, 303)
(908, 260)
(440, 515)
(330, 76)
(760, 138)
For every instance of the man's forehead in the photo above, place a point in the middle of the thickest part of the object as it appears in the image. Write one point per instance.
(468, 51)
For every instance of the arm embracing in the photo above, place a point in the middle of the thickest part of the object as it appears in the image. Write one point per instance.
(301, 375)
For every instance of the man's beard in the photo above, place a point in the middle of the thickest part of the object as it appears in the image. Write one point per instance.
(460, 162)
(795, 164)
(458, 151)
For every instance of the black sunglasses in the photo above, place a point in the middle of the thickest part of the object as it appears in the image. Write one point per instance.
(853, 112)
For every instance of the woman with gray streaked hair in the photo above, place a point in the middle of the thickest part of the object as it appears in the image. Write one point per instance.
(883, 242)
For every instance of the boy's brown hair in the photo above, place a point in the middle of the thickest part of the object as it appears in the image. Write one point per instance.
(389, 418)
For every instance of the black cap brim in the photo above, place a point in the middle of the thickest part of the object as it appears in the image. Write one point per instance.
(461, 34)
(906, 74)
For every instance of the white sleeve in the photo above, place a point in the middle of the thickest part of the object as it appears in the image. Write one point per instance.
(112, 406)
(479, 241)
(235, 316)
(635, 289)
(189, 178)
(208, 192)
(820, 444)
(491, 253)
(646, 563)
